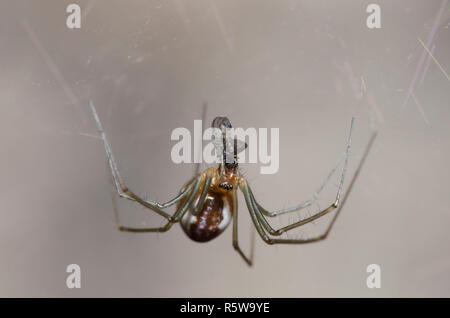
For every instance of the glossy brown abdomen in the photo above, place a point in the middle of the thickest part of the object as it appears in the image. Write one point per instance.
(212, 219)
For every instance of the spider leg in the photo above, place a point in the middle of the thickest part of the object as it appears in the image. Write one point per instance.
(251, 209)
(247, 259)
(204, 192)
(122, 190)
(176, 217)
(261, 223)
(259, 210)
(278, 232)
(316, 194)
(304, 204)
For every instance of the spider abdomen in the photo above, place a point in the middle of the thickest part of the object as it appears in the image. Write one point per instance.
(212, 219)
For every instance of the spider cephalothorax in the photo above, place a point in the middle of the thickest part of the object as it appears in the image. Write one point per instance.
(214, 205)
(208, 202)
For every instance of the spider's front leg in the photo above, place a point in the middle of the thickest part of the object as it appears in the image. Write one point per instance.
(263, 226)
(124, 192)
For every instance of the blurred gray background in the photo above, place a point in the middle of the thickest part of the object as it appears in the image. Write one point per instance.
(305, 67)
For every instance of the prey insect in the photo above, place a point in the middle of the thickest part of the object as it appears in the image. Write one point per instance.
(207, 203)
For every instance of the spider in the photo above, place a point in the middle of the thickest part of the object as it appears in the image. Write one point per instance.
(207, 203)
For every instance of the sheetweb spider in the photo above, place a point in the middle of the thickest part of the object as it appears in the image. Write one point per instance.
(208, 202)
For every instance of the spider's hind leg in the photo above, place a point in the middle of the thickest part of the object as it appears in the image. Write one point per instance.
(176, 217)
(247, 259)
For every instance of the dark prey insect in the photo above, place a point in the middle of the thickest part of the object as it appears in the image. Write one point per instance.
(207, 203)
